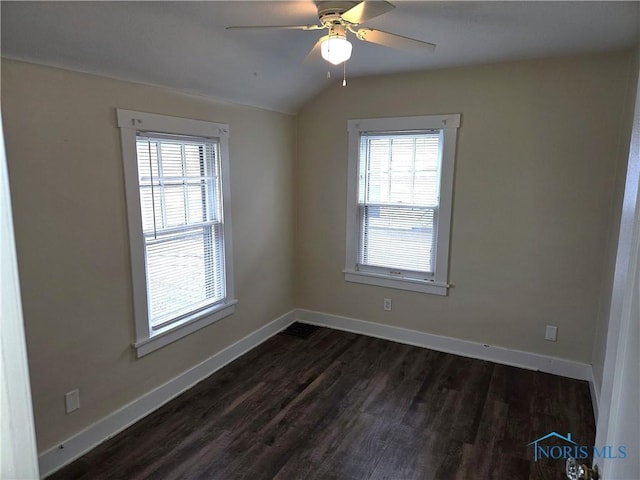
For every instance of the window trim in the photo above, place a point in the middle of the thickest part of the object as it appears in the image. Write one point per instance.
(449, 125)
(130, 122)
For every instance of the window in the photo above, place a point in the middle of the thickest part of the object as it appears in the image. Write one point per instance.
(399, 201)
(177, 197)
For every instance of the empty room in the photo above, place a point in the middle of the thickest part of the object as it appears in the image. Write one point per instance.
(320, 240)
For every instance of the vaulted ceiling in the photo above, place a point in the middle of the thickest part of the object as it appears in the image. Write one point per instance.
(185, 45)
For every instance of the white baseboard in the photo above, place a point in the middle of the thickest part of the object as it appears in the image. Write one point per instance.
(465, 348)
(80, 443)
(594, 389)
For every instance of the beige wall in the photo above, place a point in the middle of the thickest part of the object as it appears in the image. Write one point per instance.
(534, 194)
(66, 177)
(536, 160)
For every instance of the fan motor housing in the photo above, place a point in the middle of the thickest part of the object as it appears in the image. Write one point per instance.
(330, 13)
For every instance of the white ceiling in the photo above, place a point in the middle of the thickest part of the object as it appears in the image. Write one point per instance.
(184, 45)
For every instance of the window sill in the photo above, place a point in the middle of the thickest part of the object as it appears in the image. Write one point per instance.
(422, 286)
(175, 331)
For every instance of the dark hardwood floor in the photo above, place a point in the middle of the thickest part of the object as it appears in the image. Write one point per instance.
(338, 405)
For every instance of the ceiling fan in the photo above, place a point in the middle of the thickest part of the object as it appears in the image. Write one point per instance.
(340, 18)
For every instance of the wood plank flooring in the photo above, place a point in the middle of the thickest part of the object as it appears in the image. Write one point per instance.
(338, 405)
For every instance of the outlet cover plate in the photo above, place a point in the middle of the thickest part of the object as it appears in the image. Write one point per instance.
(72, 400)
(551, 333)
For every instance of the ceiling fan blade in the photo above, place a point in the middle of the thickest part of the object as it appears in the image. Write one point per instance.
(367, 10)
(276, 27)
(394, 41)
(314, 54)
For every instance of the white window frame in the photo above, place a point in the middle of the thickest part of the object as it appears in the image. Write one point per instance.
(395, 278)
(130, 123)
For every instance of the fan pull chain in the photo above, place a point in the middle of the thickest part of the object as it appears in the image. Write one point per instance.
(328, 74)
(344, 74)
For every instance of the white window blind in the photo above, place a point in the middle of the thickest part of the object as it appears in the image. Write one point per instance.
(398, 202)
(183, 225)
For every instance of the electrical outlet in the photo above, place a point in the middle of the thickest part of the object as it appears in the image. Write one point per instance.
(551, 333)
(72, 400)
(387, 304)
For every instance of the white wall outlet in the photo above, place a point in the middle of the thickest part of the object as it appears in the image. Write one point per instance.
(387, 304)
(551, 333)
(72, 400)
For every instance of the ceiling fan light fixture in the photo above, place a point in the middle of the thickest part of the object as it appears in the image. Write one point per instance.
(336, 49)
